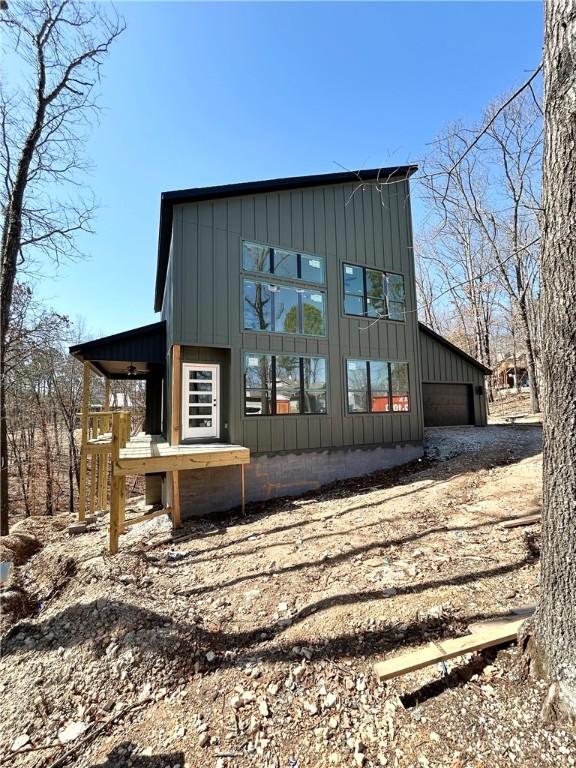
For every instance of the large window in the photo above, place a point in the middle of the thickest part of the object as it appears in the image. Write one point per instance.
(284, 309)
(374, 386)
(372, 293)
(277, 385)
(282, 263)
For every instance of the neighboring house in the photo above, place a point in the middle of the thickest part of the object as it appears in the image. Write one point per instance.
(511, 372)
(289, 326)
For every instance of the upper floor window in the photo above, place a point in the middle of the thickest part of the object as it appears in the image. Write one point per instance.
(375, 386)
(284, 309)
(282, 263)
(373, 293)
(284, 384)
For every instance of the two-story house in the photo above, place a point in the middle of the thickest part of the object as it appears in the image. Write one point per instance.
(289, 328)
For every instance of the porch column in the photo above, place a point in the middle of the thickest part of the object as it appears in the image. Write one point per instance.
(175, 416)
(84, 442)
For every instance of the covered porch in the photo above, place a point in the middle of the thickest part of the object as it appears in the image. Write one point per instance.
(113, 446)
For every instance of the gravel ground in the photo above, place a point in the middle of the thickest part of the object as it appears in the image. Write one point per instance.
(446, 442)
(250, 642)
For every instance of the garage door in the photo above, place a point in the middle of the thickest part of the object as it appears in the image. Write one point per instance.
(447, 405)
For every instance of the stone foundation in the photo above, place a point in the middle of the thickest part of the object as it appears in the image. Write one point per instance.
(204, 491)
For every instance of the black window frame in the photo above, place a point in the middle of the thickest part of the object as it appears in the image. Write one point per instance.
(298, 254)
(389, 364)
(310, 287)
(273, 388)
(365, 296)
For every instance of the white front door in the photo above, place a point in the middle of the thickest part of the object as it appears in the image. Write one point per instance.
(200, 400)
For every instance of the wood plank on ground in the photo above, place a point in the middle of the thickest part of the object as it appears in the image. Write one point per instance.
(518, 521)
(501, 632)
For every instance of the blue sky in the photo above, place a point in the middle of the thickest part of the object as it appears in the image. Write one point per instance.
(210, 93)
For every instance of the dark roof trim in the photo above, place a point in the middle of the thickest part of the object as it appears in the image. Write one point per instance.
(453, 348)
(82, 351)
(195, 195)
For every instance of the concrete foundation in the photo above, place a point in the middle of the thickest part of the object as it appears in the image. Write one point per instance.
(285, 474)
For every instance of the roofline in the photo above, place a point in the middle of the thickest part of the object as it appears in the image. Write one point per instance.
(78, 349)
(198, 194)
(454, 348)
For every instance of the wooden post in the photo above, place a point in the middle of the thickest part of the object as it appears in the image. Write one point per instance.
(176, 395)
(176, 517)
(102, 471)
(93, 478)
(106, 395)
(83, 451)
(118, 487)
(242, 489)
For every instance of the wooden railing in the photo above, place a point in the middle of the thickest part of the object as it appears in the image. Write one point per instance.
(95, 457)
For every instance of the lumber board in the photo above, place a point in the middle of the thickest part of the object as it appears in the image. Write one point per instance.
(176, 462)
(502, 632)
(147, 516)
(526, 520)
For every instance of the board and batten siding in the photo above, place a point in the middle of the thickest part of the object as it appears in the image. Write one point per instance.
(342, 223)
(440, 364)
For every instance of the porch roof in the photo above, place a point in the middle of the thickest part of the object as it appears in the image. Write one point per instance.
(140, 349)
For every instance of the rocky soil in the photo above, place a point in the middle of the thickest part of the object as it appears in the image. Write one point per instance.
(251, 641)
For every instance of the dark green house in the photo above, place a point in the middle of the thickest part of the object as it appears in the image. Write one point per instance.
(290, 327)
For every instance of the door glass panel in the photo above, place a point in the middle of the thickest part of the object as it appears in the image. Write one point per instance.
(200, 410)
(200, 375)
(196, 386)
(196, 397)
(194, 423)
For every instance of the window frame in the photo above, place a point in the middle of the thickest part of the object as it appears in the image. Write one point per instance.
(273, 387)
(371, 412)
(299, 280)
(300, 288)
(364, 297)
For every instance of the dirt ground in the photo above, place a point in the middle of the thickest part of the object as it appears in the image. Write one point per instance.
(251, 641)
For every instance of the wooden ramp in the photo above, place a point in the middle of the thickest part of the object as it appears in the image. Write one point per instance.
(484, 636)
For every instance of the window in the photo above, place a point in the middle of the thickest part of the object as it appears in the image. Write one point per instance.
(284, 309)
(373, 293)
(374, 386)
(283, 384)
(282, 263)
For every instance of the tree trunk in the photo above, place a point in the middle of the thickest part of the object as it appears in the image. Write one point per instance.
(530, 359)
(556, 615)
(3, 452)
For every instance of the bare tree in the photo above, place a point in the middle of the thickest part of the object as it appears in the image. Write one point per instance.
(44, 117)
(556, 615)
(484, 195)
(460, 252)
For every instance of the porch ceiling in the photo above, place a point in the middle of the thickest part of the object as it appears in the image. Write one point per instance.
(132, 354)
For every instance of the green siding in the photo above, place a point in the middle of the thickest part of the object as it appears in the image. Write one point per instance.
(441, 364)
(340, 223)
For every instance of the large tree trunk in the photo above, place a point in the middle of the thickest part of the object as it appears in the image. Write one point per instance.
(556, 616)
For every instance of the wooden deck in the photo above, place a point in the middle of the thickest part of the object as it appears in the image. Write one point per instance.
(143, 454)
